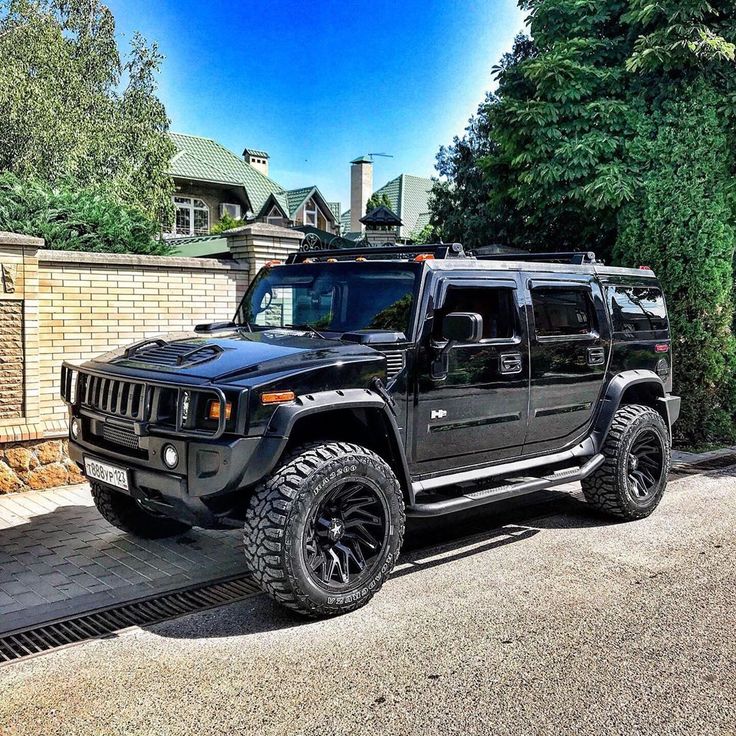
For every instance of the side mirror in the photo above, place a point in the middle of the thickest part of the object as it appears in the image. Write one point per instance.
(462, 327)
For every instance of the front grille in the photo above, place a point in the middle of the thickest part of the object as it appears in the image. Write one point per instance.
(120, 436)
(113, 396)
(394, 363)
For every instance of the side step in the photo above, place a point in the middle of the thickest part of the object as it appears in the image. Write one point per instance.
(499, 493)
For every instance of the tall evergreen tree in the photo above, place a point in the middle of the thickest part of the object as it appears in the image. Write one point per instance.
(616, 134)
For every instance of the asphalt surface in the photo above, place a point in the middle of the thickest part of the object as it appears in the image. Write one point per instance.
(518, 621)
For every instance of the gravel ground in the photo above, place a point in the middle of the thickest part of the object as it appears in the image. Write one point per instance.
(559, 624)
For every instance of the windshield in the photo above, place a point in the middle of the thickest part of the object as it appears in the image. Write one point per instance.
(335, 297)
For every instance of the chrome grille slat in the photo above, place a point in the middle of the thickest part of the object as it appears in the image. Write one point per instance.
(114, 396)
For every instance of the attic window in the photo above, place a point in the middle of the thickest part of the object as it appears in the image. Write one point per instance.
(274, 217)
(192, 216)
(310, 213)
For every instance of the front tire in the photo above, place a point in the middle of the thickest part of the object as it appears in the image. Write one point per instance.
(127, 515)
(324, 532)
(632, 479)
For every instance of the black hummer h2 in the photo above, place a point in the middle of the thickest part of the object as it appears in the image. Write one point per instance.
(355, 387)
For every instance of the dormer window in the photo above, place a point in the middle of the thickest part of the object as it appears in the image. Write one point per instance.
(192, 216)
(274, 217)
(310, 212)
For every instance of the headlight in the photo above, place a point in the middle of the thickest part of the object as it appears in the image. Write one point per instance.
(170, 456)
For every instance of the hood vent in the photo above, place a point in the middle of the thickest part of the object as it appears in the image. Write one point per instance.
(174, 353)
(394, 362)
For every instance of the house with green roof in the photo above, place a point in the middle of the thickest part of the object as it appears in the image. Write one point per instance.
(409, 197)
(211, 180)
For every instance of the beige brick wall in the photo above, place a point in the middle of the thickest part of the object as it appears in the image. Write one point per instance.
(92, 303)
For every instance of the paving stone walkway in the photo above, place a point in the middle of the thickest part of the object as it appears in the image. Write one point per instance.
(58, 557)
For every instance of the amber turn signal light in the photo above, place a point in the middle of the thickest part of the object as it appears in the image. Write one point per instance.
(424, 257)
(213, 410)
(277, 397)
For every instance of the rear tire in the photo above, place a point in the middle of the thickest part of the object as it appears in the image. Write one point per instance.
(323, 533)
(631, 481)
(126, 514)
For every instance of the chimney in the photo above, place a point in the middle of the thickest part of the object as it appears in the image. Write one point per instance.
(361, 188)
(257, 159)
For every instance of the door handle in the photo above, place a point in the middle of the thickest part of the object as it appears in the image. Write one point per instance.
(511, 363)
(596, 356)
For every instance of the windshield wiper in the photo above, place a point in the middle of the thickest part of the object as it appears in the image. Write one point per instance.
(306, 326)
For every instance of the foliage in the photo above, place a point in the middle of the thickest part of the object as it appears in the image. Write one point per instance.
(72, 109)
(227, 222)
(426, 234)
(70, 218)
(612, 129)
(682, 226)
(378, 200)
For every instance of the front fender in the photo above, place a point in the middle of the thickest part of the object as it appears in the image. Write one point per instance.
(274, 441)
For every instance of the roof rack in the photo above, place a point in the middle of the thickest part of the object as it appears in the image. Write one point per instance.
(574, 257)
(438, 250)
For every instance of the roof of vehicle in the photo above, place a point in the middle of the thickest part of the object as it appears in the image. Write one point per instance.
(452, 257)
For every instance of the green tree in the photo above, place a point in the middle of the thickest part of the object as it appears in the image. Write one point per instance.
(70, 217)
(378, 200)
(226, 223)
(579, 150)
(73, 110)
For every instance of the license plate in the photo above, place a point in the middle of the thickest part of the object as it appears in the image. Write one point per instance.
(106, 473)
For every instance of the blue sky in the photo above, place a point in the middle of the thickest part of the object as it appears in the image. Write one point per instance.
(318, 83)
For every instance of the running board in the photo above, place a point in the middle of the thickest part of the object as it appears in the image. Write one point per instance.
(499, 493)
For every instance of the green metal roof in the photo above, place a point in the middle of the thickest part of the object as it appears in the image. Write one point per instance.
(256, 152)
(362, 160)
(422, 221)
(335, 207)
(203, 159)
(202, 246)
(297, 197)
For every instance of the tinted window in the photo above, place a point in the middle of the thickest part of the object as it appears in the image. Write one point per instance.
(560, 311)
(637, 309)
(339, 297)
(494, 305)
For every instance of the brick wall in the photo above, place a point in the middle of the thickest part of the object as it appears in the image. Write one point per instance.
(92, 303)
(60, 305)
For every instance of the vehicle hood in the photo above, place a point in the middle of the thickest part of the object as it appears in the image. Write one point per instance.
(232, 356)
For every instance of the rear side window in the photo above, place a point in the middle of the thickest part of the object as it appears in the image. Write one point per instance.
(636, 309)
(560, 312)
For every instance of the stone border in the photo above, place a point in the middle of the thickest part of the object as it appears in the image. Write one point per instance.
(124, 259)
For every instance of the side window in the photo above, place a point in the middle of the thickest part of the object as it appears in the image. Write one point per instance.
(494, 304)
(637, 309)
(560, 311)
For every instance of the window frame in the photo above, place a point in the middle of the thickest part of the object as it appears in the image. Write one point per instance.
(307, 211)
(444, 287)
(191, 209)
(278, 216)
(584, 286)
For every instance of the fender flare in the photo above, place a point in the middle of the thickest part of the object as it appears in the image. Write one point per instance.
(668, 406)
(271, 447)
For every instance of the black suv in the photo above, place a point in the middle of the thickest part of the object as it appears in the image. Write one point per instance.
(355, 387)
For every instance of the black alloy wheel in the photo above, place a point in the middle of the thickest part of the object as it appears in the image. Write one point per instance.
(645, 465)
(346, 535)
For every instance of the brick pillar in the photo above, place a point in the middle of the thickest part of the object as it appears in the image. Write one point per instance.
(260, 242)
(19, 379)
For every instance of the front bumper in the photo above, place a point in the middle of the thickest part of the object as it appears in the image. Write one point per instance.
(199, 493)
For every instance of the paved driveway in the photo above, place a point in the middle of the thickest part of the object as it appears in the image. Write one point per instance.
(515, 622)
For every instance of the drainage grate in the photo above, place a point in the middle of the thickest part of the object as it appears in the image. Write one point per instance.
(75, 629)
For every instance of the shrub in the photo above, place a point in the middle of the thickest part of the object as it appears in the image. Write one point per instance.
(69, 217)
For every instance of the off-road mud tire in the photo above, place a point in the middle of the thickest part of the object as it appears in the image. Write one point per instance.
(608, 488)
(275, 525)
(126, 514)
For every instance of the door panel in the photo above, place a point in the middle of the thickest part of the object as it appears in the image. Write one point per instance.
(478, 411)
(569, 355)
